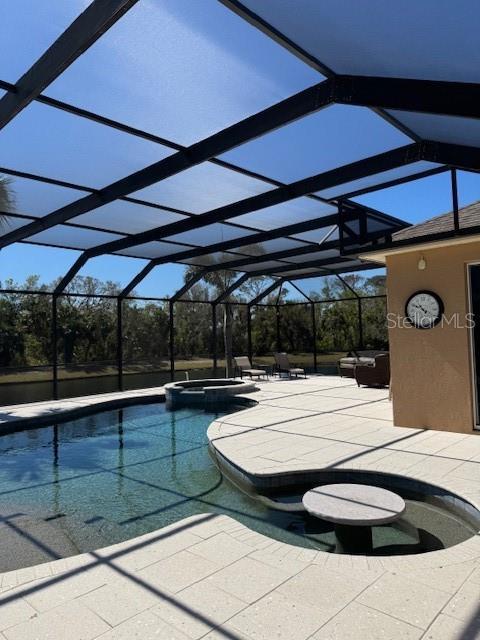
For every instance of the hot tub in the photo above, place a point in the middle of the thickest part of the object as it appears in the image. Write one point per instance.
(208, 392)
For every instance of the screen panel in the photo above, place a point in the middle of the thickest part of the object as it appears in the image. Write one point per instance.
(239, 334)
(468, 187)
(372, 225)
(468, 217)
(193, 340)
(316, 255)
(465, 131)
(28, 29)
(152, 250)
(146, 362)
(203, 187)
(10, 223)
(212, 259)
(345, 266)
(468, 198)
(86, 346)
(264, 334)
(210, 234)
(319, 235)
(377, 179)
(259, 266)
(376, 224)
(35, 198)
(72, 237)
(296, 334)
(413, 201)
(270, 246)
(25, 348)
(182, 70)
(60, 145)
(127, 217)
(426, 40)
(299, 272)
(374, 323)
(280, 215)
(337, 331)
(317, 143)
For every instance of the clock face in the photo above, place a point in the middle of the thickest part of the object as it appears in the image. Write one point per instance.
(424, 309)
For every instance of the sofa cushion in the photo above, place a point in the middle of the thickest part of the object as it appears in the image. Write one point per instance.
(351, 362)
(366, 353)
(365, 360)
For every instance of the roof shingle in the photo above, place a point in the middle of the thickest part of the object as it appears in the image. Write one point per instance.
(468, 217)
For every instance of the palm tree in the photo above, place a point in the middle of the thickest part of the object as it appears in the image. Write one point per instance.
(7, 199)
(220, 281)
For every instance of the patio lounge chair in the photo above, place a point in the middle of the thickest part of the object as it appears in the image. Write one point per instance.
(283, 366)
(243, 365)
(374, 374)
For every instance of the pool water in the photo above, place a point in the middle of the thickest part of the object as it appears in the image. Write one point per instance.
(110, 476)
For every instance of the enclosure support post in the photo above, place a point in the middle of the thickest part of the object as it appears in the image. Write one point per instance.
(360, 324)
(214, 339)
(456, 221)
(249, 333)
(314, 336)
(341, 223)
(54, 347)
(171, 336)
(277, 324)
(120, 343)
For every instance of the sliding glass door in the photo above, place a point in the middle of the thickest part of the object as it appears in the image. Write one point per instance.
(474, 282)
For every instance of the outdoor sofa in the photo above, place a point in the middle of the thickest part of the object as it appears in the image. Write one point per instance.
(374, 374)
(346, 366)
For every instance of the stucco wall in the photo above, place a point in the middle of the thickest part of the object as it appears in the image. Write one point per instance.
(431, 369)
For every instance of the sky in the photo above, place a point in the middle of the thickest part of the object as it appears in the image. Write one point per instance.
(181, 69)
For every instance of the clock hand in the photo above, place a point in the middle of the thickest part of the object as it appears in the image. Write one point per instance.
(420, 308)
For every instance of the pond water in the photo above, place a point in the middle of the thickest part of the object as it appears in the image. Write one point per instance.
(21, 392)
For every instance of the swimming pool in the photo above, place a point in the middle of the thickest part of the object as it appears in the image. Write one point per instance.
(104, 478)
(108, 477)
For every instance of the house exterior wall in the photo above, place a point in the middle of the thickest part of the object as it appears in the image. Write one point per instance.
(431, 368)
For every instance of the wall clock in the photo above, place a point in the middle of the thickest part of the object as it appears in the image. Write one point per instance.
(424, 309)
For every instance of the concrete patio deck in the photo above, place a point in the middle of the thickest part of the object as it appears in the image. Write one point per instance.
(211, 577)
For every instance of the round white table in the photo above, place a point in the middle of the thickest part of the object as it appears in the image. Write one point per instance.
(354, 509)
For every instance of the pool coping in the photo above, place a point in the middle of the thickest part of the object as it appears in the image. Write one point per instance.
(40, 414)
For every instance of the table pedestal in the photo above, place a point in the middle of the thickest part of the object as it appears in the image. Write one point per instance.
(351, 539)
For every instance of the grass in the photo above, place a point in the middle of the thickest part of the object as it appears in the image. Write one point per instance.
(44, 373)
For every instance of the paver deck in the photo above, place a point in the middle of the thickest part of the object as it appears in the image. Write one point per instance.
(211, 577)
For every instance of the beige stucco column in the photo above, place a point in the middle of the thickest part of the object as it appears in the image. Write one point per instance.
(431, 368)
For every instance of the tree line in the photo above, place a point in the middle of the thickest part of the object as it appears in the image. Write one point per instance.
(87, 325)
